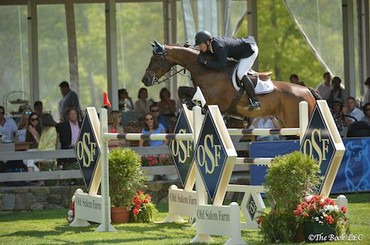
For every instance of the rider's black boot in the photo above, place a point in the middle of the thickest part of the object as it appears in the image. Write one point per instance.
(249, 88)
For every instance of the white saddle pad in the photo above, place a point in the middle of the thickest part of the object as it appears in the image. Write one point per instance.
(262, 87)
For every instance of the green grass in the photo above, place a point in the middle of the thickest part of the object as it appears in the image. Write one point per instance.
(51, 227)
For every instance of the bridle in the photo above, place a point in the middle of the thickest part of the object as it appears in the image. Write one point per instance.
(164, 65)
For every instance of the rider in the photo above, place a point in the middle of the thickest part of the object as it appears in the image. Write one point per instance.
(244, 50)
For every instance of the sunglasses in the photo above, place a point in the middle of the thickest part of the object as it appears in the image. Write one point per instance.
(149, 119)
(367, 109)
(2, 113)
(154, 111)
(34, 119)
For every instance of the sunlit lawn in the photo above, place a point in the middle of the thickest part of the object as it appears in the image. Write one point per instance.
(51, 227)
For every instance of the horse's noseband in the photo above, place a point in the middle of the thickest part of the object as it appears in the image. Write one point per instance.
(164, 65)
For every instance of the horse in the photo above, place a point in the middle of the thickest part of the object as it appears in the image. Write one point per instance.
(217, 87)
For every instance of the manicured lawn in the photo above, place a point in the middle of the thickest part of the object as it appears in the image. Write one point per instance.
(51, 227)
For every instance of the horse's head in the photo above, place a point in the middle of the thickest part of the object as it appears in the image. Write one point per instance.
(158, 66)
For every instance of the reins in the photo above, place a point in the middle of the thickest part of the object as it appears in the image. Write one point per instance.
(168, 78)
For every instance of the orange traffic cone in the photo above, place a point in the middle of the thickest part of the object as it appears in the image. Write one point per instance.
(106, 102)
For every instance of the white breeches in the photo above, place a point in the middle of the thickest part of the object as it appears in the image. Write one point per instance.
(246, 64)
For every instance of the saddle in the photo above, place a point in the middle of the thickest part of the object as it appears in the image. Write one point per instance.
(262, 80)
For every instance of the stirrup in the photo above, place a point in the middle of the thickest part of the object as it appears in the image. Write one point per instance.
(254, 105)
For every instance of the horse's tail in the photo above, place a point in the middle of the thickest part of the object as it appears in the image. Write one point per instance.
(315, 94)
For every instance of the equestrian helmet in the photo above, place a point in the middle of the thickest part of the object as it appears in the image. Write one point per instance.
(202, 37)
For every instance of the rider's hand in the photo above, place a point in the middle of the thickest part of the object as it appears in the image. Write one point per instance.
(201, 60)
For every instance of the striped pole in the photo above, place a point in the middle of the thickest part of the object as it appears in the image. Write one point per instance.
(139, 136)
(264, 131)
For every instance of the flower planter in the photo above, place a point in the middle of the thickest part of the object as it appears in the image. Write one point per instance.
(315, 232)
(120, 215)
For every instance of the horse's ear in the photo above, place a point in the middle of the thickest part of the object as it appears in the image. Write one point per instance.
(158, 48)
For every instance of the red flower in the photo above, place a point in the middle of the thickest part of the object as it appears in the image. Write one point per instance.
(329, 219)
(136, 211)
(344, 209)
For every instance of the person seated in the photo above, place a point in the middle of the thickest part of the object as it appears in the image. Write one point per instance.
(336, 93)
(166, 105)
(114, 121)
(46, 142)
(38, 108)
(8, 127)
(33, 130)
(22, 125)
(351, 110)
(293, 78)
(68, 131)
(266, 122)
(151, 126)
(366, 117)
(125, 101)
(142, 104)
(158, 116)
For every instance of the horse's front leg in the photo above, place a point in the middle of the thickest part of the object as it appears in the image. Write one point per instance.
(186, 94)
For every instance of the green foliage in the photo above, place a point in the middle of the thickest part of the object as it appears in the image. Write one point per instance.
(290, 178)
(278, 226)
(51, 227)
(125, 176)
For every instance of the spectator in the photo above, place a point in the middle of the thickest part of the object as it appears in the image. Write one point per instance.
(114, 121)
(324, 88)
(352, 110)
(8, 127)
(367, 94)
(167, 106)
(293, 78)
(151, 126)
(158, 116)
(70, 99)
(33, 130)
(38, 108)
(69, 130)
(337, 112)
(48, 138)
(366, 118)
(337, 92)
(125, 101)
(142, 104)
(266, 122)
(22, 125)
(46, 142)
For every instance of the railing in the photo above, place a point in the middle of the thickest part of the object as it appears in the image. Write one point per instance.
(76, 174)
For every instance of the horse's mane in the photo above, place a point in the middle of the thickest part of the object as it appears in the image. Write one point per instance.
(208, 55)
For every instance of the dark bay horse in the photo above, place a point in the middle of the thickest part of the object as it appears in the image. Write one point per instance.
(217, 87)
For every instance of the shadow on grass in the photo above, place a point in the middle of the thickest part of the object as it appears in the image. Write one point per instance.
(33, 215)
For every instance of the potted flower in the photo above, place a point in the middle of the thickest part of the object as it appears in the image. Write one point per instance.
(125, 178)
(288, 179)
(142, 209)
(322, 220)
